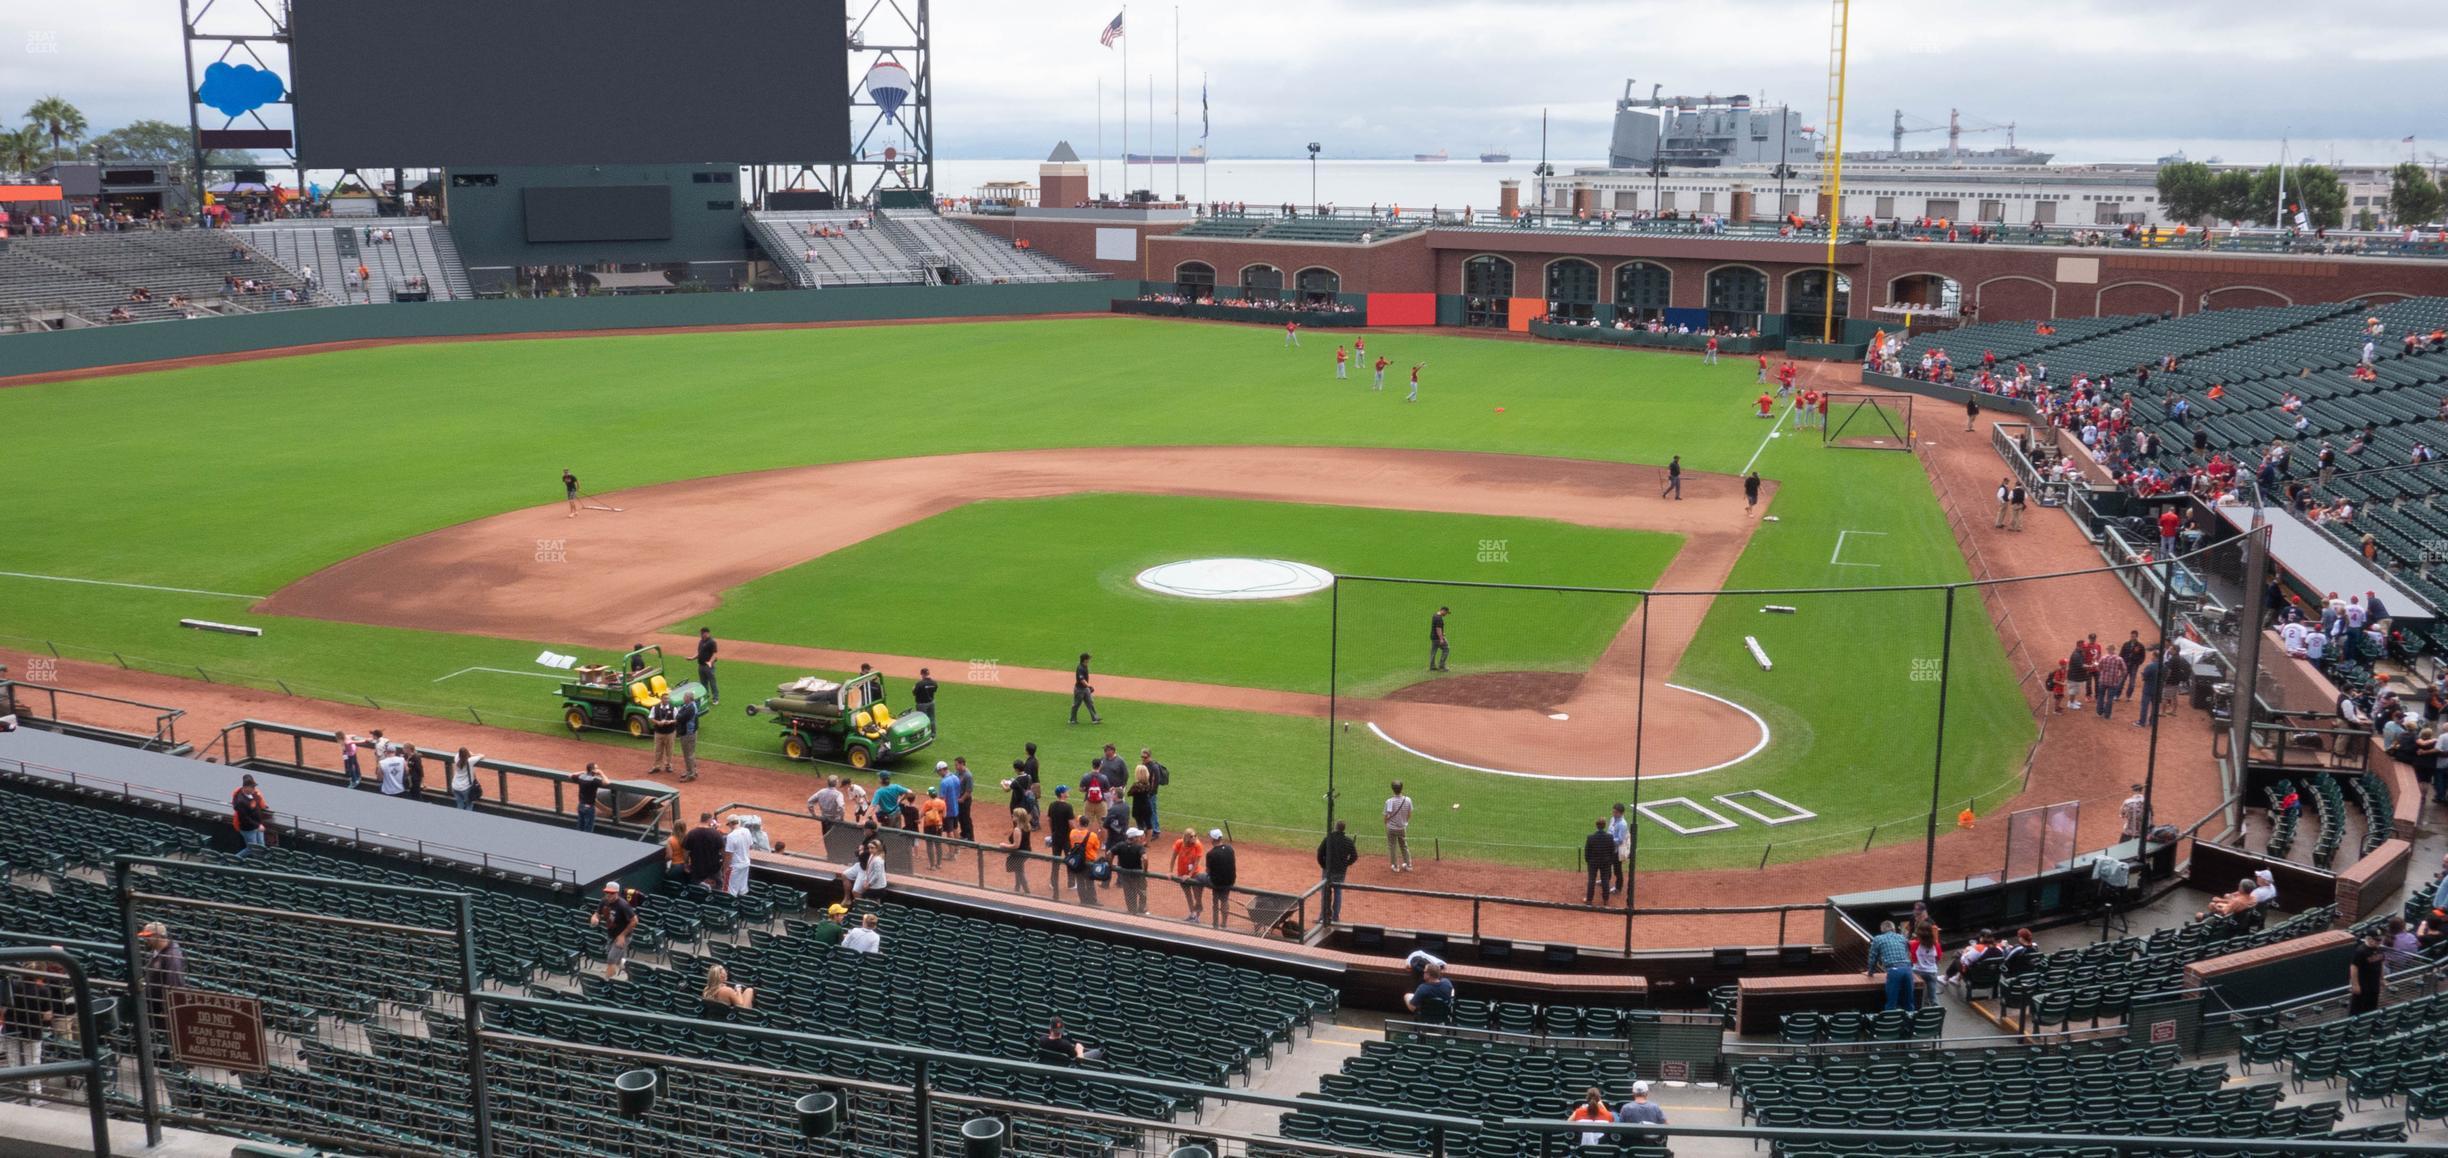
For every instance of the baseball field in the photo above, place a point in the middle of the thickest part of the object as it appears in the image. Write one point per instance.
(978, 497)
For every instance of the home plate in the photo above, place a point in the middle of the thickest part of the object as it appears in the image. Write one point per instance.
(1558, 716)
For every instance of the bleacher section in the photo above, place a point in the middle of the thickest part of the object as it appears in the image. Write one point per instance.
(2100, 982)
(1158, 1014)
(89, 275)
(895, 247)
(860, 256)
(1336, 229)
(978, 256)
(332, 248)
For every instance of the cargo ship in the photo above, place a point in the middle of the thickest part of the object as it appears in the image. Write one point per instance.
(1497, 158)
(1196, 156)
(1709, 132)
(1439, 155)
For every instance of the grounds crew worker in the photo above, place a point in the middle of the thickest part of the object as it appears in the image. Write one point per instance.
(569, 487)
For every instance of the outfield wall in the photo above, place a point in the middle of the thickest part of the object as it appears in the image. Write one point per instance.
(70, 350)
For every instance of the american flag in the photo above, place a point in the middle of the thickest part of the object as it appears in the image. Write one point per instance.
(1113, 32)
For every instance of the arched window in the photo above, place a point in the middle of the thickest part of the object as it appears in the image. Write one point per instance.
(1261, 281)
(1806, 304)
(1487, 291)
(1572, 290)
(1737, 296)
(1643, 290)
(1194, 280)
(1318, 284)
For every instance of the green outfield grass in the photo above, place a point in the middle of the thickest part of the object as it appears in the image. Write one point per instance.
(240, 478)
(1035, 582)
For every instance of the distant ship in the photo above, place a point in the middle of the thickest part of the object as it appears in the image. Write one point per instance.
(1196, 156)
(1439, 155)
(1707, 132)
(1498, 158)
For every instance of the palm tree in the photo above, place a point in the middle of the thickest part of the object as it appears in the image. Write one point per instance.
(57, 119)
(20, 149)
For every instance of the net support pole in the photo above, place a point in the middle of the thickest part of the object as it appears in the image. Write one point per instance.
(1334, 671)
(1946, 649)
(2247, 674)
(480, 1101)
(2150, 758)
(1632, 818)
(141, 993)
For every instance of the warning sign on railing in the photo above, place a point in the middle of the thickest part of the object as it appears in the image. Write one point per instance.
(216, 1029)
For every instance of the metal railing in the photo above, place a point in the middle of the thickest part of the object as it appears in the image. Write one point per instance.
(161, 736)
(633, 809)
(29, 967)
(291, 824)
(1005, 871)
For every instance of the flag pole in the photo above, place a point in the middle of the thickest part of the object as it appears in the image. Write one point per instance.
(1100, 190)
(1206, 192)
(1126, 177)
(1177, 153)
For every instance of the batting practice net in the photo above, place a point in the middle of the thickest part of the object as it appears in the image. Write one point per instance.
(1867, 421)
(1891, 727)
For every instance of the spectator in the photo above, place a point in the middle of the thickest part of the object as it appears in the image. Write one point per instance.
(1593, 1107)
(719, 997)
(1598, 856)
(1142, 796)
(350, 774)
(866, 873)
(825, 804)
(1187, 855)
(864, 939)
(1023, 789)
(165, 966)
(1419, 962)
(1433, 1000)
(675, 854)
(33, 1001)
(463, 788)
(1891, 955)
(1222, 873)
(2133, 814)
(1398, 830)
(618, 919)
(390, 769)
(1619, 830)
(688, 735)
(704, 844)
(249, 815)
(665, 720)
(2230, 904)
(1335, 856)
(1928, 959)
(590, 783)
(1059, 1048)
(888, 801)
(1016, 860)
(738, 846)
(2365, 974)
(1159, 779)
(2405, 949)
(1641, 1109)
(1130, 865)
(1058, 826)
(2110, 673)
(829, 928)
(1087, 860)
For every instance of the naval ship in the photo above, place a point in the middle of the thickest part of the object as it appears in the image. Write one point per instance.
(1707, 132)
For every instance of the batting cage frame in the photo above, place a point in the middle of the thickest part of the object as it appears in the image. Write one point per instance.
(1879, 429)
(1375, 705)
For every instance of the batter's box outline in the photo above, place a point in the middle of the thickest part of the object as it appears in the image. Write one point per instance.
(1791, 811)
(1717, 820)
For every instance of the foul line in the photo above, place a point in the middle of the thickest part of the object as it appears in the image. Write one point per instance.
(540, 675)
(129, 586)
(1773, 427)
(1755, 750)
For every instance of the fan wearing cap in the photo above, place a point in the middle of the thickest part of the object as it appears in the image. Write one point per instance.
(617, 918)
(1641, 1109)
(1130, 863)
(165, 966)
(829, 930)
(1221, 875)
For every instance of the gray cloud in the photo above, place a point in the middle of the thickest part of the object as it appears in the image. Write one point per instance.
(1387, 78)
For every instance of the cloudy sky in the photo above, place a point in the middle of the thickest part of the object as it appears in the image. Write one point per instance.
(2089, 79)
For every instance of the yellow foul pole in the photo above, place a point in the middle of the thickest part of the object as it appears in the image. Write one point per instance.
(1839, 22)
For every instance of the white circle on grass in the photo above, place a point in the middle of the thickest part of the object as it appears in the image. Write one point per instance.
(1235, 578)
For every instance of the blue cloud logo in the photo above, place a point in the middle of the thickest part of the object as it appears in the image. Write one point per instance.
(238, 88)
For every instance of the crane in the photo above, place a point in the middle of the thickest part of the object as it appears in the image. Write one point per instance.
(1954, 131)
